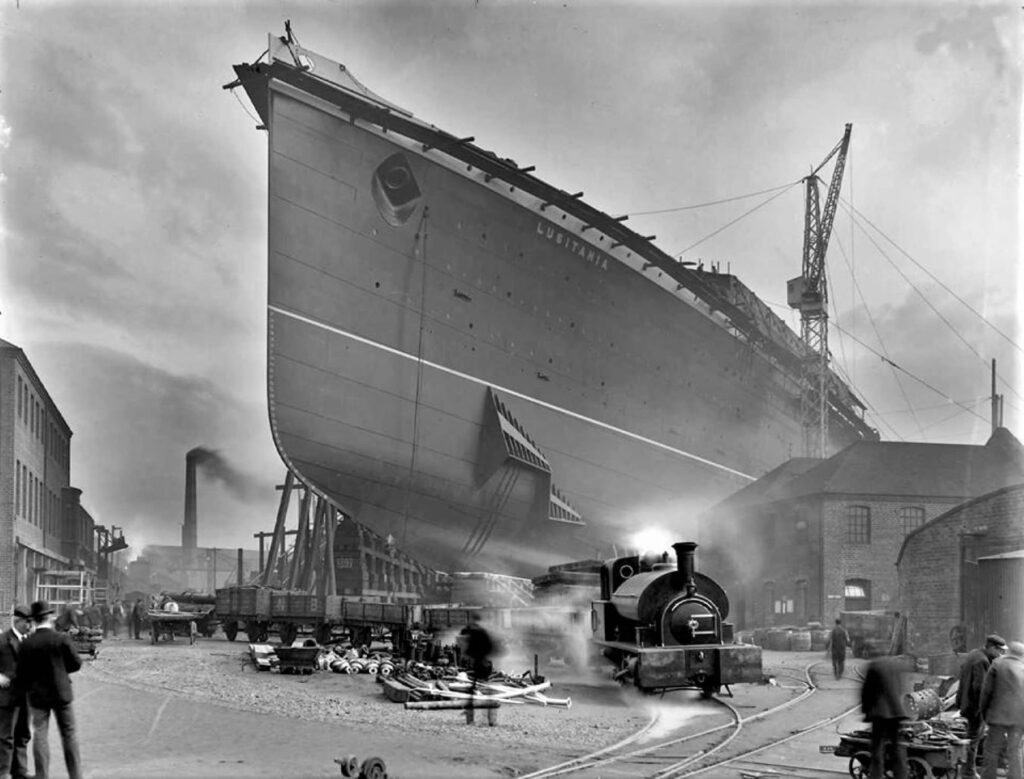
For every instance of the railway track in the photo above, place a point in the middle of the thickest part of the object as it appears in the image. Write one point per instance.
(725, 737)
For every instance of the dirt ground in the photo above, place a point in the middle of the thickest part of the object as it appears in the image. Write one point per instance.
(174, 710)
(216, 674)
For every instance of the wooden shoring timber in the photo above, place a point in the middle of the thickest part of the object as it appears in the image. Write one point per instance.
(453, 704)
(277, 542)
(312, 569)
(331, 581)
(300, 541)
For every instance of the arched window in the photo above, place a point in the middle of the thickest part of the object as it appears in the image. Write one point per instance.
(857, 594)
(912, 517)
(858, 525)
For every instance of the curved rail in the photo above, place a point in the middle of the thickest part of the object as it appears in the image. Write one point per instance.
(673, 771)
(601, 757)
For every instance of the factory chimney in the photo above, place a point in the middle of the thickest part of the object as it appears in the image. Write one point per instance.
(685, 564)
(189, 531)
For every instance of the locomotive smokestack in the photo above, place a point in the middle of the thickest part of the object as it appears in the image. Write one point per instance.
(189, 529)
(685, 565)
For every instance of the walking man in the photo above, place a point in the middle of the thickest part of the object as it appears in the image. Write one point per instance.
(1002, 705)
(14, 728)
(46, 660)
(881, 699)
(968, 696)
(477, 646)
(838, 640)
(138, 614)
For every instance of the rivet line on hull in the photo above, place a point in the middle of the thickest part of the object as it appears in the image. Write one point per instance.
(590, 420)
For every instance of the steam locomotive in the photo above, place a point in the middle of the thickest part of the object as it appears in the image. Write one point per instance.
(663, 626)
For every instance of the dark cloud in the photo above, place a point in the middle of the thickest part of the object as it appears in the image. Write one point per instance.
(132, 427)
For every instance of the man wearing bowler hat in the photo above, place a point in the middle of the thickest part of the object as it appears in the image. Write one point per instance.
(14, 729)
(47, 658)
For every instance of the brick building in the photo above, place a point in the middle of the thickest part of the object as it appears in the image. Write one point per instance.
(941, 568)
(43, 525)
(816, 537)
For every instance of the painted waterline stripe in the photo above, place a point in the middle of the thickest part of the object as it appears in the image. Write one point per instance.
(551, 407)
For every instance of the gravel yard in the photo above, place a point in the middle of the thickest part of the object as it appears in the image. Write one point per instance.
(220, 673)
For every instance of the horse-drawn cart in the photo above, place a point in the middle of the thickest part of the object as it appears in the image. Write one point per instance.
(165, 625)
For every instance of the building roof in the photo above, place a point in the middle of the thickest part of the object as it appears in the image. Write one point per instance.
(19, 354)
(771, 487)
(944, 471)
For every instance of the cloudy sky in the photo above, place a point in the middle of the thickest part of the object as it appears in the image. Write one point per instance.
(134, 194)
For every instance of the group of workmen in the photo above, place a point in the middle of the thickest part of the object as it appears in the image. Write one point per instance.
(36, 660)
(990, 697)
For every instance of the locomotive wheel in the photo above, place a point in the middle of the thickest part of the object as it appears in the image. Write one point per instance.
(373, 768)
(919, 769)
(231, 630)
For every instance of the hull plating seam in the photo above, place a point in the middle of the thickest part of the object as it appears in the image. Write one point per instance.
(511, 392)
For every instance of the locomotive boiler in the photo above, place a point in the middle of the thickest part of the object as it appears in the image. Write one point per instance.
(664, 627)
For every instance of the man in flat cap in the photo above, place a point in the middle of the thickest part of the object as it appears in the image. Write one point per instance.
(14, 729)
(968, 696)
(47, 659)
(1002, 706)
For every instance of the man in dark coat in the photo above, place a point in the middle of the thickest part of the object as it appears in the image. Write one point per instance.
(138, 617)
(1002, 705)
(46, 660)
(477, 646)
(881, 699)
(968, 696)
(14, 729)
(838, 640)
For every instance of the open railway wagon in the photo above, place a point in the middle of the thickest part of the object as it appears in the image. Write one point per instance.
(296, 590)
(260, 610)
(663, 626)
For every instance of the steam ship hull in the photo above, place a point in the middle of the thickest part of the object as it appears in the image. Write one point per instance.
(466, 368)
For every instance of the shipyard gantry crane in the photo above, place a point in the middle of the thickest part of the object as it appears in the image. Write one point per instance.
(809, 293)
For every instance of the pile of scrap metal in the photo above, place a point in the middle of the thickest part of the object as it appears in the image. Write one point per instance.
(353, 660)
(456, 691)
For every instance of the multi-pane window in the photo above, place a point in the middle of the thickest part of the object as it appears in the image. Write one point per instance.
(913, 518)
(858, 525)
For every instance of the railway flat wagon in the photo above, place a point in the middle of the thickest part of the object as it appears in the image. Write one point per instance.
(245, 608)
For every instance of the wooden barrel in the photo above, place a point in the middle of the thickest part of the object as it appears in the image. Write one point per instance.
(800, 641)
(778, 640)
(819, 640)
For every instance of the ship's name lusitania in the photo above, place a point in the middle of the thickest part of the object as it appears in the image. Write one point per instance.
(581, 248)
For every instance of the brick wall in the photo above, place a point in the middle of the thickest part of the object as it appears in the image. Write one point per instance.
(874, 561)
(8, 391)
(929, 572)
(800, 547)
